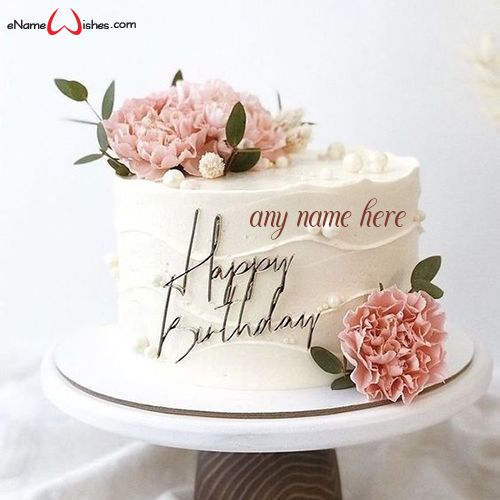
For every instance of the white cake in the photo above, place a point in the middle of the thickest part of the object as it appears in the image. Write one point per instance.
(324, 270)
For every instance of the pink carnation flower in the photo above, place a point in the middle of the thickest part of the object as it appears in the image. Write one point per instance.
(395, 341)
(180, 125)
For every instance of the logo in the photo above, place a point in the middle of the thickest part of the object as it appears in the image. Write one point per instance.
(53, 27)
(52, 31)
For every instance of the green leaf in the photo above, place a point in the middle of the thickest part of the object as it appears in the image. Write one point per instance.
(244, 159)
(120, 169)
(433, 290)
(88, 158)
(235, 126)
(72, 89)
(344, 382)
(108, 101)
(426, 269)
(102, 138)
(177, 78)
(326, 360)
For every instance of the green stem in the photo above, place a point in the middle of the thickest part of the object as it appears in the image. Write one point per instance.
(229, 160)
(93, 110)
(105, 153)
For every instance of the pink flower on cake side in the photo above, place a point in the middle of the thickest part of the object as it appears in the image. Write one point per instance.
(180, 125)
(395, 341)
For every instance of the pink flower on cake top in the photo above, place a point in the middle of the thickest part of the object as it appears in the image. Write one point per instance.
(178, 127)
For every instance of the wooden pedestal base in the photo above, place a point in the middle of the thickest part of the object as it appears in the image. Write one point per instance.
(303, 475)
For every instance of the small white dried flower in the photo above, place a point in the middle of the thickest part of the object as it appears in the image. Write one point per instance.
(297, 138)
(290, 118)
(211, 166)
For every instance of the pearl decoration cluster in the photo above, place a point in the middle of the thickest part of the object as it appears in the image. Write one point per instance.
(334, 152)
(333, 302)
(280, 162)
(354, 161)
(374, 162)
(328, 232)
(142, 345)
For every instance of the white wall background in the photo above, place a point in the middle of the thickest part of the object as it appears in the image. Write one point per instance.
(391, 74)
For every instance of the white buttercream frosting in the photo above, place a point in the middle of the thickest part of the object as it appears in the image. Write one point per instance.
(332, 270)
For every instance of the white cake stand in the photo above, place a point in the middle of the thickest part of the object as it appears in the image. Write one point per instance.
(246, 437)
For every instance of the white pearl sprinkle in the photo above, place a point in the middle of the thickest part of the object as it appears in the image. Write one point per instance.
(281, 162)
(173, 178)
(159, 280)
(150, 352)
(377, 162)
(420, 217)
(265, 163)
(325, 307)
(334, 301)
(336, 151)
(352, 162)
(140, 343)
(313, 230)
(330, 231)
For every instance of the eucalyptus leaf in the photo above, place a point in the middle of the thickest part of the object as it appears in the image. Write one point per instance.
(72, 89)
(326, 360)
(88, 158)
(244, 159)
(108, 101)
(177, 78)
(344, 382)
(235, 126)
(433, 290)
(102, 138)
(426, 269)
(120, 169)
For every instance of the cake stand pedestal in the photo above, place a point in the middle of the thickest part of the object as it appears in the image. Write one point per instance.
(248, 454)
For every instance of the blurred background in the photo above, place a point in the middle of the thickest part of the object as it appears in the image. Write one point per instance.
(394, 75)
